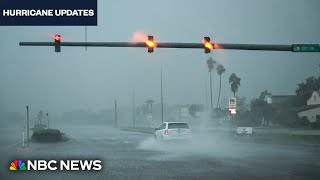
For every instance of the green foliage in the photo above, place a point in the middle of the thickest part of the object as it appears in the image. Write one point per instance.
(261, 109)
(315, 125)
(234, 81)
(305, 89)
(287, 118)
(46, 135)
(244, 116)
(242, 105)
(245, 119)
(264, 94)
(220, 69)
(211, 63)
(303, 122)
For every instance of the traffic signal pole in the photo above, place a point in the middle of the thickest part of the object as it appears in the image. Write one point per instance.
(206, 44)
(262, 47)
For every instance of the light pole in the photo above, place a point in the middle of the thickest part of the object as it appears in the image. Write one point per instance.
(133, 110)
(23, 131)
(28, 125)
(115, 113)
(161, 98)
(48, 120)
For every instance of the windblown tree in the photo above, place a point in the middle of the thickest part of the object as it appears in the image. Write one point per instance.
(234, 81)
(220, 71)
(261, 109)
(305, 89)
(264, 94)
(211, 63)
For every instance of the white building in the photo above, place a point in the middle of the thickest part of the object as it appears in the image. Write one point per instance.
(312, 110)
(314, 99)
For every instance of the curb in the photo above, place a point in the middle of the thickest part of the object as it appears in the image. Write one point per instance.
(15, 147)
(136, 130)
(71, 140)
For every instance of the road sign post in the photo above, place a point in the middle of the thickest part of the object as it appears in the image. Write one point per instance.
(232, 107)
(149, 119)
(232, 103)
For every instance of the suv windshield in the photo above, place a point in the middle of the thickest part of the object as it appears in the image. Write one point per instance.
(178, 125)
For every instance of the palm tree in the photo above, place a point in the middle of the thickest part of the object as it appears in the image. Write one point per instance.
(234, 81)
(211, 63)
(220, 70)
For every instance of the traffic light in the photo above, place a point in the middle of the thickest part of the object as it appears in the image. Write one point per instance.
(57, 40)
(207, 45)
(150, 44)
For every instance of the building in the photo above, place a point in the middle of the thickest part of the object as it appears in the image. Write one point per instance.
(314, 99)
(280, 102)
(311, 111)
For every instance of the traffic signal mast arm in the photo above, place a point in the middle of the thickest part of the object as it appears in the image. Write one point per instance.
(261, 47)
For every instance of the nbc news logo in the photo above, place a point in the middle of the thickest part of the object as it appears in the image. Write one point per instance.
(53, 165)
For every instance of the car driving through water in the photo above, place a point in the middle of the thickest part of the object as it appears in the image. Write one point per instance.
(173, 131)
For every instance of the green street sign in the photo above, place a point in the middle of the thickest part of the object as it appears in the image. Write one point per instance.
(305, 48)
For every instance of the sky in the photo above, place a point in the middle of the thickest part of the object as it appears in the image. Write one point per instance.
(91, 80)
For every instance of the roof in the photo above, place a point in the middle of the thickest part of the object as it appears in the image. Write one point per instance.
(307, 107)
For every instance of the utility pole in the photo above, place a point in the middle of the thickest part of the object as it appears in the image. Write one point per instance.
(161, 99)
(115, 113)
(23, 132)
(48, 120)
(28, 125)
(133, 110)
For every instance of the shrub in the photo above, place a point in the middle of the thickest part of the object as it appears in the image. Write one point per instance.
(46, 135)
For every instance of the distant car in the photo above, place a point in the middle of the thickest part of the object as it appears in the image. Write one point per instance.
(173, 131)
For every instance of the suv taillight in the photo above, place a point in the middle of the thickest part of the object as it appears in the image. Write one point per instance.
(166, 132)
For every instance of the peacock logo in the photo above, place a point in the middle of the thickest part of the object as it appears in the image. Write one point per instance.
(18, 165)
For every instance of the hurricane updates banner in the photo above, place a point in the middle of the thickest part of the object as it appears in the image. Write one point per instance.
(48, 12)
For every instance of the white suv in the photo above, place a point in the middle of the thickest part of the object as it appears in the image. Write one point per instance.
(173, 131)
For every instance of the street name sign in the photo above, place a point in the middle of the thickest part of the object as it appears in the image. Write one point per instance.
(305, 48)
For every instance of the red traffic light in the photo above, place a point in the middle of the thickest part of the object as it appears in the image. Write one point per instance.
(57, 37)
(57, 40)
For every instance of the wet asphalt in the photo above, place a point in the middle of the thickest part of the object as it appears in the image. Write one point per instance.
(132, 155)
